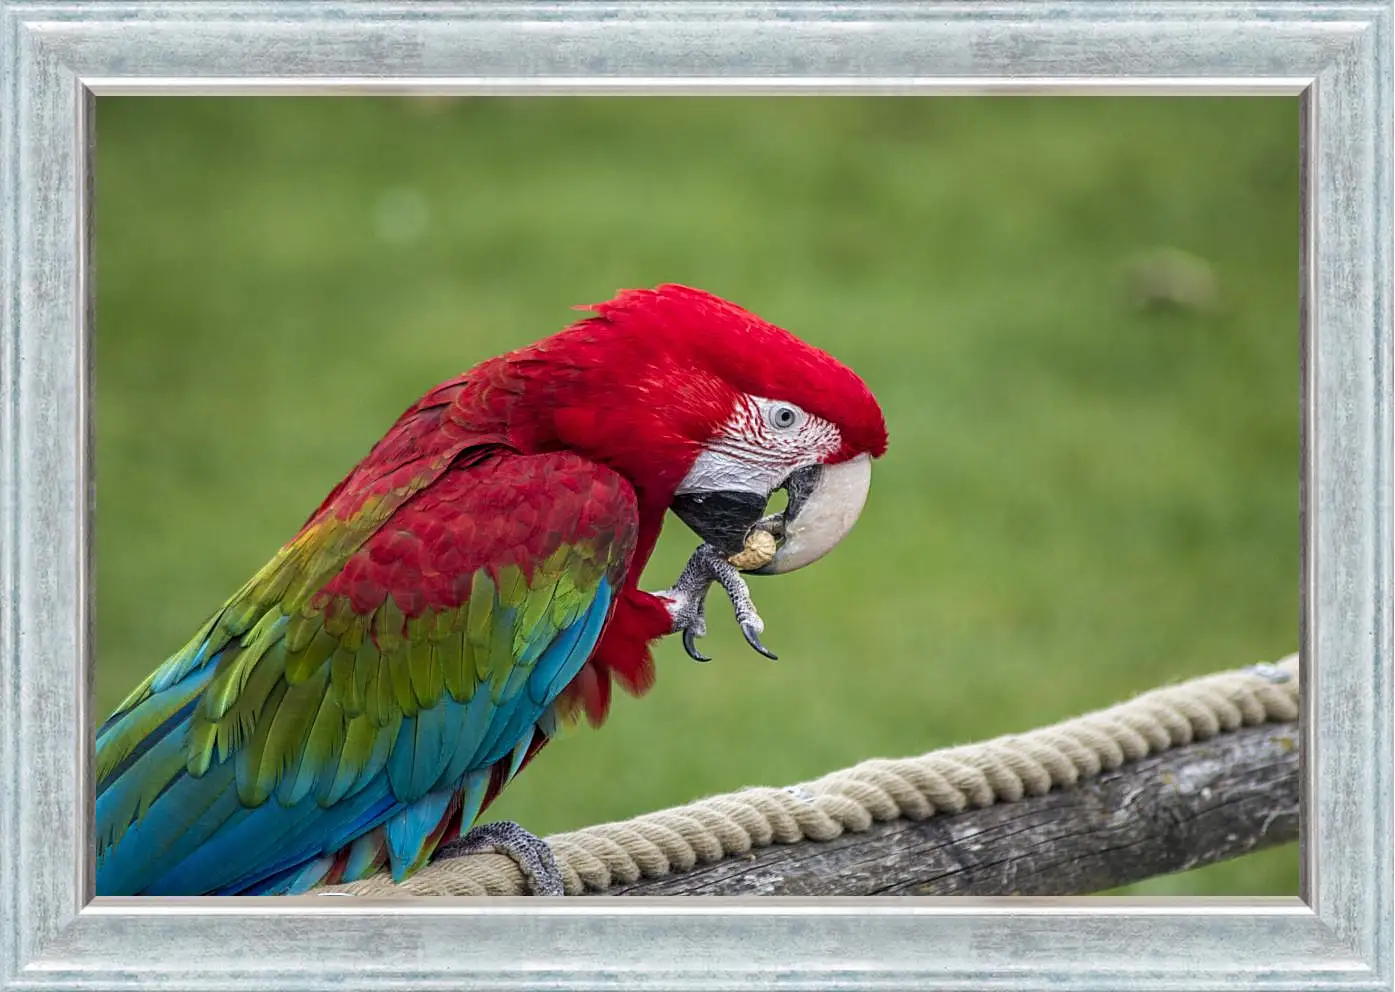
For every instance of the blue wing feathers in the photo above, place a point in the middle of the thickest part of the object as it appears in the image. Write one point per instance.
(409, 828)
(183, 818)
(479, 711)
(255, 844)
(571, 656)
(425, 745)
(557, 666)
(363, 853)
(292, 881)
(472, 795)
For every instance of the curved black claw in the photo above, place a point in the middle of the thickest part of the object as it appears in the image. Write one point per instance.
(690, 645)
(752, 634)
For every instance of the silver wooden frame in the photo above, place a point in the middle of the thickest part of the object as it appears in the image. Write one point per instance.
(58, 56)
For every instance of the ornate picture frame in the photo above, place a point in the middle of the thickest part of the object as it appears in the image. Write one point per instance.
(59, 58)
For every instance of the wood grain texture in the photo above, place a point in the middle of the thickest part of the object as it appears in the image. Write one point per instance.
(1184, 808)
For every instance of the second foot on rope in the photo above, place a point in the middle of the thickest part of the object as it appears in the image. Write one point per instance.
(529, 851)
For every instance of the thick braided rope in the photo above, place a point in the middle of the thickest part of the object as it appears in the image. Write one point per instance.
(945, 781)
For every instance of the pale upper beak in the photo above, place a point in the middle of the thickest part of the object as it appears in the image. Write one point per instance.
(824, 503)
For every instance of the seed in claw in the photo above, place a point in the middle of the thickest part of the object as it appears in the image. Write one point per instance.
(758, 552)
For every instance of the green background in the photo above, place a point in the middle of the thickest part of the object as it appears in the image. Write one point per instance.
(1084, 497)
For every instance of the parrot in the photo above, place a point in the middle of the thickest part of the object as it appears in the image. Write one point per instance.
(469, 588)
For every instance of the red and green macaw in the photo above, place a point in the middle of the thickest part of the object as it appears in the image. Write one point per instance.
(470, 584)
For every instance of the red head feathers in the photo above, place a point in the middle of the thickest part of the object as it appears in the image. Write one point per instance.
(750, 355)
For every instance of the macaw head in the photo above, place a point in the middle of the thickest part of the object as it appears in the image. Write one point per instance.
(710, 410)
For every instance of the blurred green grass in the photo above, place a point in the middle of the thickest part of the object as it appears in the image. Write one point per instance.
(1082, 499)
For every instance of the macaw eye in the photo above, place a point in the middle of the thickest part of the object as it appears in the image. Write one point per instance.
(783, 417)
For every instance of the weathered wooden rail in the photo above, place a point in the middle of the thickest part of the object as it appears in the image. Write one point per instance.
(1185, 808)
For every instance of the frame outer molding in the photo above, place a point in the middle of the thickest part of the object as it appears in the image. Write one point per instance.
(1347, 592)
(55, 57)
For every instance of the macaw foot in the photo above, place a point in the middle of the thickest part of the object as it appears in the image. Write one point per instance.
(706, 566)
(530, 852)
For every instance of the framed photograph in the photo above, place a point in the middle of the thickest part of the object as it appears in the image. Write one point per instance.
(1038, 283)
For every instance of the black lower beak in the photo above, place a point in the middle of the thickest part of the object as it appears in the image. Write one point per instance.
(721, 518)
(800, 486)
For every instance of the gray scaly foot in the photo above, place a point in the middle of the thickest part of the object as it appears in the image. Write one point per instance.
(530, 852)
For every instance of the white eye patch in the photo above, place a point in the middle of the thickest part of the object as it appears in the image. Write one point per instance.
(761, 443)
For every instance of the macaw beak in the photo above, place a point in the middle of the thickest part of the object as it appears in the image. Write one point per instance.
(824, 503)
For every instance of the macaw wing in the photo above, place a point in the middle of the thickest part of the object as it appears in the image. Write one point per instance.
(382, 696)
